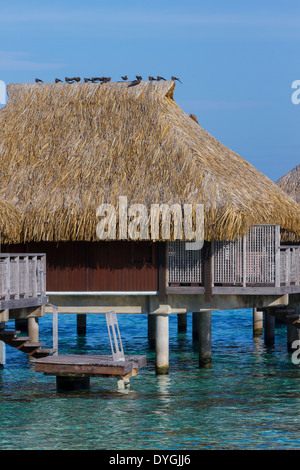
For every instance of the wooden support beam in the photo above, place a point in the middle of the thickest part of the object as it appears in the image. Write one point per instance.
(207, 271)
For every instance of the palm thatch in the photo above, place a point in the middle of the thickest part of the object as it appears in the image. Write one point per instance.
(64, 149)
(290, 183)
(10, 226)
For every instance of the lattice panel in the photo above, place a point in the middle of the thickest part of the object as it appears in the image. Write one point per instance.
(260, 255)
(228, 262)
(244, 261)
(185, 266)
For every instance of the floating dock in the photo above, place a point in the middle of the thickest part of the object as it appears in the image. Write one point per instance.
(74, 371)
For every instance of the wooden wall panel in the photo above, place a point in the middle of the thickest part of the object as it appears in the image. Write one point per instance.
(97, 266)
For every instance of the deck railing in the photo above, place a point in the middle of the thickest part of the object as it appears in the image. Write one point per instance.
(290, 265)
(255, 260)
(22, 276)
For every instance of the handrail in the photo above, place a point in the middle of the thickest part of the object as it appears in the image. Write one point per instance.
(22, 275)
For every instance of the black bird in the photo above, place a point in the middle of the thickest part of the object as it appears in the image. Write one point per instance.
(124, 78)
(57, 80)
(69, 80)
(160, 78)
(175, 78)
(135, 82)
(76, 79)
(38, 80)
(151, 78)
(138, 77)
(101, 79)
(87, 80)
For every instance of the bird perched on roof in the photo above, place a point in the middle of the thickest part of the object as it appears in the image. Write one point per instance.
(69, 80)
(105, 79)
(138, 77)
(38, 80)
(160, 78)
(124, 78)
(57, 80)
(76, 79)
(151, 78)
(87, 80)
(135, 82)
(175, 78)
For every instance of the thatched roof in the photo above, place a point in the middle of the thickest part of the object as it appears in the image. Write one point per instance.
(64, 149)
(290, 183)
(10, 226)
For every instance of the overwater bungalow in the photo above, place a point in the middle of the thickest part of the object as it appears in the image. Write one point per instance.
(290, 183)
(65, 149)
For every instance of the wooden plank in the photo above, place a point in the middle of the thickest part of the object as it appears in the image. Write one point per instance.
(76, 364)
(20, 303)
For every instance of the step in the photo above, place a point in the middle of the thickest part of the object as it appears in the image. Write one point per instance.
(43, 352)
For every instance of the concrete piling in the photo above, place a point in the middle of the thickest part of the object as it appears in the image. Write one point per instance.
(293, 334)
(258, 322)
(162, 344)
(204, 339)
(33, 329)
(151, 330)
(182, 322)
(269, 329)
(81, 324)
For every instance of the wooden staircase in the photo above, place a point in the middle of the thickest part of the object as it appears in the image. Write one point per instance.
(24, 344)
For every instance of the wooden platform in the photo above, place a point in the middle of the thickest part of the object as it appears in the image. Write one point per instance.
(90, 365)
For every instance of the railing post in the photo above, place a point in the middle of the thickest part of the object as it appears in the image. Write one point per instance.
(277, 256)
(7, 289)
(55, 328)
(288, 267)
(244, 260)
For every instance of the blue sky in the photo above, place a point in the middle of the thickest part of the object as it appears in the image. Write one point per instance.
(236, 59)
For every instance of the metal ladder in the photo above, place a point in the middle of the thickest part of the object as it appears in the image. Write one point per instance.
(116, 345)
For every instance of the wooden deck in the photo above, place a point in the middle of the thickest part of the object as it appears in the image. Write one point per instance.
(90, 365)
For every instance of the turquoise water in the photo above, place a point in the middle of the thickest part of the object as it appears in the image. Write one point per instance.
(249, 399)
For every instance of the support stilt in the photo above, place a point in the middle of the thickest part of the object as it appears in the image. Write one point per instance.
(55, 329)
(269, 336)
(33, 329)
(293, 334)
(68, 384)
(2, 354)
(21, 324)
(182, 322)
(151, 330)
(81, 324)
(123, 384)
(195, 326)
(204, 339)
(258, 322)
(162, 344)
